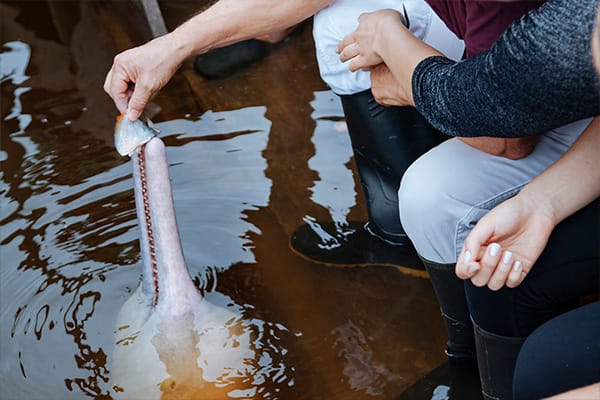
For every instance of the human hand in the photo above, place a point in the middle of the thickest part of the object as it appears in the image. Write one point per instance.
(138, 73)
(361, 45)
(511, 148)
(505, 243)
(386, 89)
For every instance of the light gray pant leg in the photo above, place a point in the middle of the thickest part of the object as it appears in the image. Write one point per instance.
(447, 190)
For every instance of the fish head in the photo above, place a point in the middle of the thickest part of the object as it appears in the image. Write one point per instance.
(130, 135)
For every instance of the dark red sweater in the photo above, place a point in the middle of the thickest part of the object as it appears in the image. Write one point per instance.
(480, 23)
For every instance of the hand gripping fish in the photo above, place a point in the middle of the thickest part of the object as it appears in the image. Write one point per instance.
(171, 342)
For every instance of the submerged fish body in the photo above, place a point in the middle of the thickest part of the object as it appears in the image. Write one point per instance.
(205, 353)
(130, 135)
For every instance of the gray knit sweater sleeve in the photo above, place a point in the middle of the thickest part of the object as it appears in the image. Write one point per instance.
(538, 75)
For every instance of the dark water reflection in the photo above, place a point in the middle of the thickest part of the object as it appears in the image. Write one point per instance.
(69, 255)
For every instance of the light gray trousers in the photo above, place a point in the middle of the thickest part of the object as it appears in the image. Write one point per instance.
(447, 190)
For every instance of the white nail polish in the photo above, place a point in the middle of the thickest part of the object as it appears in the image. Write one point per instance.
(467, 257)
(507, 258)
(472, 269)
(494, 249)
(517, 266)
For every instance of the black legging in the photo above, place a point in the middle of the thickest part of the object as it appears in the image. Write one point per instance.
(567, 270)
(561, 355)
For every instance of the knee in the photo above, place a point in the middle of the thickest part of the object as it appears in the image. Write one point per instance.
(431, 204)
(417, 197)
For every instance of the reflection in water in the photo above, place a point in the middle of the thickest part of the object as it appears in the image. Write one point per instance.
(363, 373)
(13, 62)
(441, 392)
(335, 188)
(217, 165)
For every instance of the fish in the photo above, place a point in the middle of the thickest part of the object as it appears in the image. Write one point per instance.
(171, 340)
(131, 135)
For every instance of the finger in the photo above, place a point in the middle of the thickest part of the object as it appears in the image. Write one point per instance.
(469, 270)
(359, 63)
(122, 101)
(118, 89)
(107, 80)
(139, 99)
(349, 52)
(345, 42)
(480, 235)
(516, 275)
(466, 260)
(117, 98)
(484, 275)
(363, 16)
(503, 269)
(483, 278)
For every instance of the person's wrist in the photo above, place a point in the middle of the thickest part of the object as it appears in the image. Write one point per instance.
(540, 205)
(387, 29)
(181, 44)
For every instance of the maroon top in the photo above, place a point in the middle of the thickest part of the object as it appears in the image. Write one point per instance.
(480, 23)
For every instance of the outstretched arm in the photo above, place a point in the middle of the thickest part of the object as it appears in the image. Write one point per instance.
(138, 73)
(507, 241)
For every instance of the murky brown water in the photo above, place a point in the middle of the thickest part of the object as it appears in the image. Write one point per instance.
(242, 183)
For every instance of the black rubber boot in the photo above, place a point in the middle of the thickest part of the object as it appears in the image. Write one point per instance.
(496, 359)
(225, 61)
(352, 246)
(385, 141)
(450, 292)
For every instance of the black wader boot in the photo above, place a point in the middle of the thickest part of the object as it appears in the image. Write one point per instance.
(225, 61)
(496, 359)
(450, 292)
(385, 141)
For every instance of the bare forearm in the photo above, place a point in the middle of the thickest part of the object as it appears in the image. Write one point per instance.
(231, 21)
(149, 67)
(573, 181)
(402, 55)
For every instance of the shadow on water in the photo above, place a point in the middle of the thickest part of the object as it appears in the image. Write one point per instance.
(248, 165)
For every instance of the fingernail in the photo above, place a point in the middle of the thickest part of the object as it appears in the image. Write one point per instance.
(517, 266)
(494, 249)
(132, 114)
(467, 257)
(506, 259)
(472, 269)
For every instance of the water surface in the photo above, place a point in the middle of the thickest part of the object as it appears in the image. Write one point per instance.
(243, 179)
